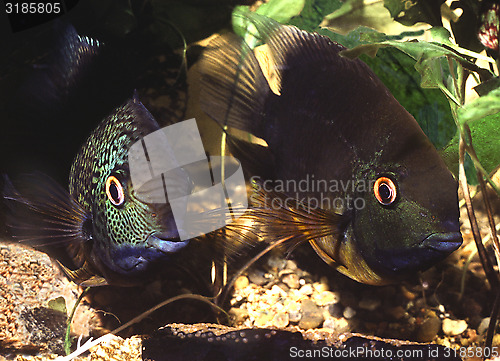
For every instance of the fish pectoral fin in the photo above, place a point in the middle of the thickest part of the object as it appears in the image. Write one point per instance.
(83, 276)
(273, 219)
(41, 213)
(329, 260)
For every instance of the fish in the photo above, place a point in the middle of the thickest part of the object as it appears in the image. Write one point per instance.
(333, 159)
(100, 230)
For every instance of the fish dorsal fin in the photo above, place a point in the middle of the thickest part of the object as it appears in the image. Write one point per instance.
(292, 48)
(233, 87)
(73, 57)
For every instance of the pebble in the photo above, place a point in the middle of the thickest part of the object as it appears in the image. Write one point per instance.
(349, 312)
(291, 280)
(239, 314)
(429, 329)
(312, 315)
(340, 325)
(483, 326)
(454, 327)
(276, 262)
(294, 314)
(264, 319)
(280, 320)
(241, 282)
(307, 289)
(396, 312)
(496, 340)
(335, 310)
(257, 277)
(370, 304)
(326, 298)
(291, 265)
(320, 286)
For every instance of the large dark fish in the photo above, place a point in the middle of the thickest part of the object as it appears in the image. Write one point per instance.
(100, 229)
(346, 167)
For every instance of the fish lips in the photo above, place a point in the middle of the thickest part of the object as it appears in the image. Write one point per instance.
(444, 242)
(432, 249)
(165, 242)
(131, 260)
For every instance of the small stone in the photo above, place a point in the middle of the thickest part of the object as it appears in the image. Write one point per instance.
(349, 312)
(335, 310)
(241, 282)
(339, 325)
(264, 319)
(312, 315)
(370, 304)
(483, 326)
(454, 327)
(257, 277)
(429, 329)
(291, 265)
(396, 312)
(291, 280)
(496, 340)
(294, 314)
(239, 315)
(283, 286)
(320, 287)
(326, 298)
(306, 289)
(280, 320)
(276, 262)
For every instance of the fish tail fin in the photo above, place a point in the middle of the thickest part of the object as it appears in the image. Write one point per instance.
(233, 87)
(42, 214)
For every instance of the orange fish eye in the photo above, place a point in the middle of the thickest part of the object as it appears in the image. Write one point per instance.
(385, 190)
(114, 191)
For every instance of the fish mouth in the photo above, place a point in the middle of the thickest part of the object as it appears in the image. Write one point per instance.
(166, 242)
(443, 242)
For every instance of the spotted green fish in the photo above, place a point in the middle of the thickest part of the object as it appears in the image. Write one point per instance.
(99, 230)
(345, 167)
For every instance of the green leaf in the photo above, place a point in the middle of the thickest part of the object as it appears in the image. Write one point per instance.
(281, 10)
(369, 13)
(480, 108)
(486, 143)
(410, 12)
(313, 13)
(440, 35)
(58, 304)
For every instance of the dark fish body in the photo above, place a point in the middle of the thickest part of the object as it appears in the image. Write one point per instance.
(108, 235)
(376, 201)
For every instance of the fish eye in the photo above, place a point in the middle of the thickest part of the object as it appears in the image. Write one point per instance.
(114, 191)
(385, 191)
